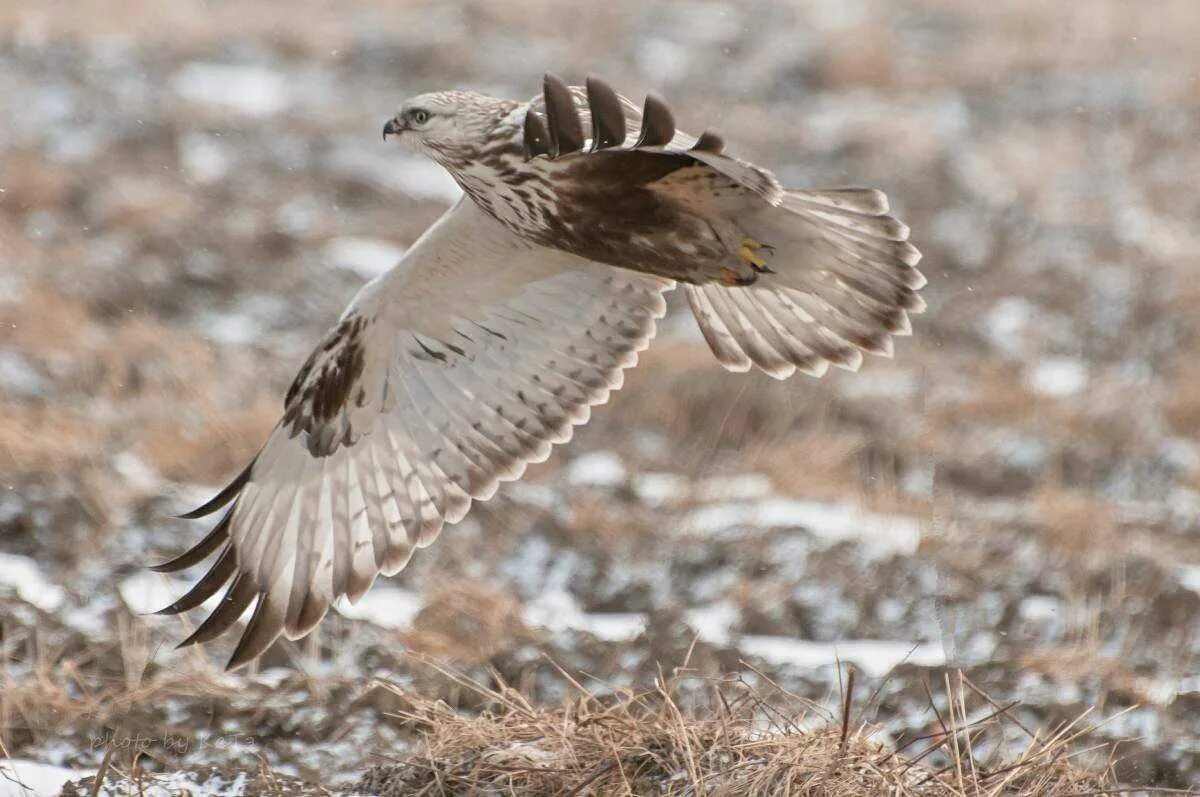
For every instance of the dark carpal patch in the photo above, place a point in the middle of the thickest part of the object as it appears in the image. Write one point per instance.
(325, 387)
(604, 208)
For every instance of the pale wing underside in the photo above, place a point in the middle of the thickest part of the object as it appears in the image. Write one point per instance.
(446, 376)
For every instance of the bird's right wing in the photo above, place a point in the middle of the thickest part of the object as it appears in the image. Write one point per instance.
(445, 376)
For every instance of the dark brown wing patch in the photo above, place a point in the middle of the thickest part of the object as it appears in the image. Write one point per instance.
(325, 387)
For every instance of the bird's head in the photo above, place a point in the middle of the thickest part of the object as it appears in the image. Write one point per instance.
(451, 127)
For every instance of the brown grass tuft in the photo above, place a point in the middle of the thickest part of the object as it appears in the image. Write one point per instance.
(729, 737)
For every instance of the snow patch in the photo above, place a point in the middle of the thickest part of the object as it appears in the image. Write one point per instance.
(667, 60)
(875, 657)
(90, 619)
(741, 487)
(386, 607)
(660, 489)
(273, 676)
(557, 610)
(1189, 577)
(539, 495)
(612, 626)
(1007, 321)
(1040, 609)
(879, 384)
(230, 329)
(21, 777)
(1058, 377)
(597, 469)
(19, 376)
(715, 622)
(881, 534)
(138, 475)
(249, 90)
(24, 576)
(204, 159)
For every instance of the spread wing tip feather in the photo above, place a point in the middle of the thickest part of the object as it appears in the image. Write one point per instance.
(222, 498)
(233, 604)
(198, 552)
(608, 118)
(658, 123)
(207, 585)
(562, 117)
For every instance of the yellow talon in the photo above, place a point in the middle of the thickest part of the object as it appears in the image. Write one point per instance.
(748, 253)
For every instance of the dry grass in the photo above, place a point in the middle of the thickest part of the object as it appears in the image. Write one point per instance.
(1183, 402)
(684, 735)
(467, 622)
(729, 737)
(1077, 523)
(125, 384)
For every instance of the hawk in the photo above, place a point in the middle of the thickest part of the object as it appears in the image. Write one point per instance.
(514, 315)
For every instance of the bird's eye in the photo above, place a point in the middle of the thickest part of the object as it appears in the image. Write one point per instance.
(420, 116)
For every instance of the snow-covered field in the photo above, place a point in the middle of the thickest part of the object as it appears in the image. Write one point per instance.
(187, 201)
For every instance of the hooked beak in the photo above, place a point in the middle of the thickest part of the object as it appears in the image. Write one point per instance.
(392, 127)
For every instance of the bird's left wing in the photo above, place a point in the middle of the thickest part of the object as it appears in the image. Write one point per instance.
(444, 377)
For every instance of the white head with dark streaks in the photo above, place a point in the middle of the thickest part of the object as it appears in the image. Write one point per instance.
(454, 128)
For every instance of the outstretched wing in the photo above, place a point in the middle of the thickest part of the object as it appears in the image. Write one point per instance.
(445, 376)
(615, 125)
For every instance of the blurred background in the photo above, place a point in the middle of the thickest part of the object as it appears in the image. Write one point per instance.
(191, 192)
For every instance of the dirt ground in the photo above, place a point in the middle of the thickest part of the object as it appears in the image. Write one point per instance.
(191, 192)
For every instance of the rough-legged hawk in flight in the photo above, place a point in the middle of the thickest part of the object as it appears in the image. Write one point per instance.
(514, 314)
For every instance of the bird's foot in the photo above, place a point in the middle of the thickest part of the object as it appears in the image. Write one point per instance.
(731, 278)
(749, 253)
